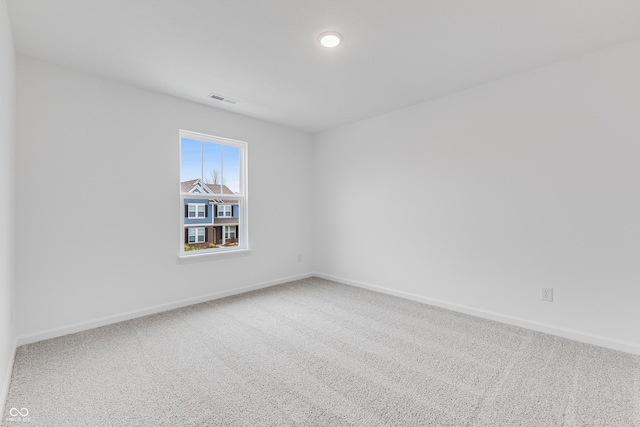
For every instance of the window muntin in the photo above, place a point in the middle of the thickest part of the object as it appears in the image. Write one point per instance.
(225, 211)
(213, 169)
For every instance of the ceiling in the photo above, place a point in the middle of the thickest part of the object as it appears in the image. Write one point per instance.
(265, 53)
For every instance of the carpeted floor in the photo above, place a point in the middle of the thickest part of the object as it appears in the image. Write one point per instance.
(318, 353)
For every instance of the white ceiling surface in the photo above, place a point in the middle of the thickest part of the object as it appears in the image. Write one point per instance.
(265, 52)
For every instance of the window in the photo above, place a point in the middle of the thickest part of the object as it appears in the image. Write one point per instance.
(224, 210)
(213, 174)
(196, 235)
(229, 232)
(197, 210)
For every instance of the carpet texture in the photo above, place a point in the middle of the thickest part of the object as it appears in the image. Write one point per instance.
(318, 353)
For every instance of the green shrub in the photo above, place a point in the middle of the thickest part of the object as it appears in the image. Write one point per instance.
(211, 245)
(187, 248)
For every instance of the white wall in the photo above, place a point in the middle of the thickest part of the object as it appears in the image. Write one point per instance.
(473, 200)
(480, 198)
(97, 181)
(7, 242)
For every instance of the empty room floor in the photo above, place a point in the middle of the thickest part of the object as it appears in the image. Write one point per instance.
(318, 353)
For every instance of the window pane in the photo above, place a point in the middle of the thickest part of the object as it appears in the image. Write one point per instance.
(213, 166)
(190, 159)
(231, 170)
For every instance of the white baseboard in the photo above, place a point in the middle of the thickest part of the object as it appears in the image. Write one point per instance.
(107, 320)
(614, 344)
(4, 391)
(625, 346)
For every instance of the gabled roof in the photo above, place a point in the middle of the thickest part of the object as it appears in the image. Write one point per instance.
(197, 186)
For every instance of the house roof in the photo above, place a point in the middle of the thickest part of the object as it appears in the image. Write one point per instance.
(187, 186)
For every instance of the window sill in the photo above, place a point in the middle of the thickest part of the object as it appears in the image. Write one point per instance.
(213, 256)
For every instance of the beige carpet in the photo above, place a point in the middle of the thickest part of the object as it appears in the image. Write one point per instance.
(318, 353)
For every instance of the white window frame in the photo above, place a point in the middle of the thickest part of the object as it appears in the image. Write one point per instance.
(240, 199)
(223, 210)
(196, 212)
(196, 234)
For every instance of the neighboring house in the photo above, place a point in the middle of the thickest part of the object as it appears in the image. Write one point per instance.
(209, 221)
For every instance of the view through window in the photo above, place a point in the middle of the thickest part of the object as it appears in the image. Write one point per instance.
(213, 195)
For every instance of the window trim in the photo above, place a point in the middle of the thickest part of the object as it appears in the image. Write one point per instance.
(240, 199)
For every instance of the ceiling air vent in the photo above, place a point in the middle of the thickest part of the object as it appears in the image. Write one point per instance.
(223, 99)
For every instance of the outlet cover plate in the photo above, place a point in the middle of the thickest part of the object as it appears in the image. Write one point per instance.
(547, 294)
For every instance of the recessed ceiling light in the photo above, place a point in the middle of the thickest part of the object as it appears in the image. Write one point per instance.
(330, 39)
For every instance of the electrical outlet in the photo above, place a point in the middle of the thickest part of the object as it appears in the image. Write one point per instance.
(547, 294)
